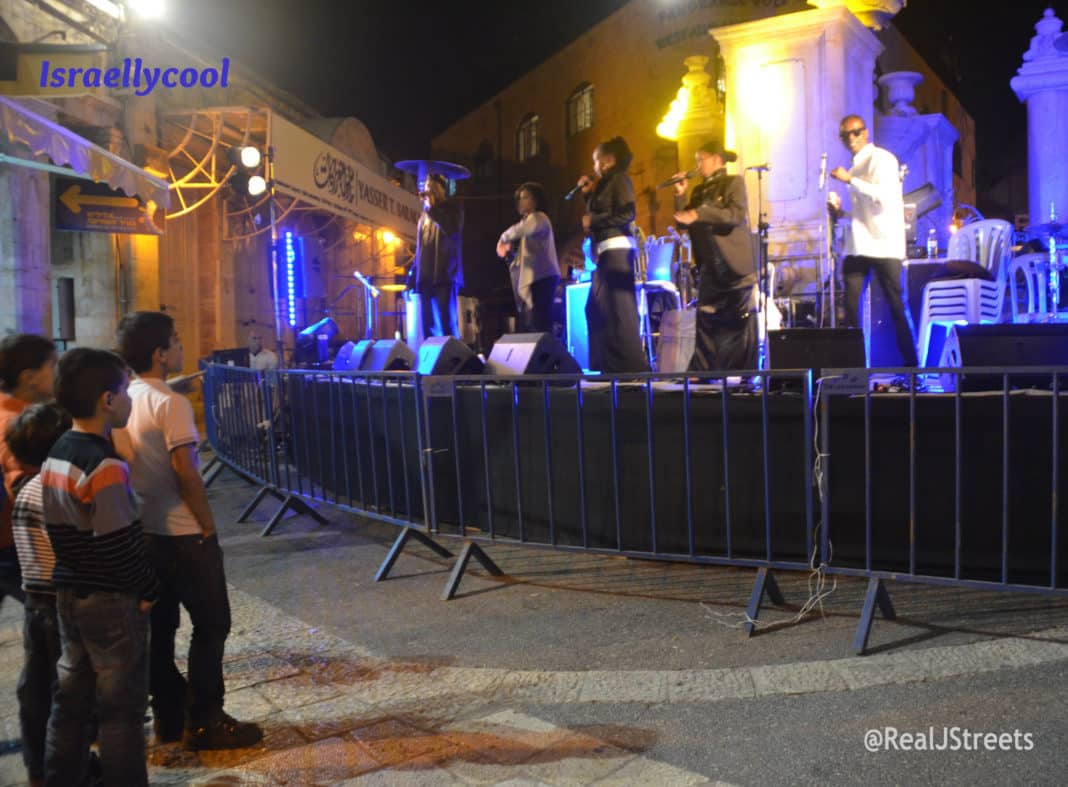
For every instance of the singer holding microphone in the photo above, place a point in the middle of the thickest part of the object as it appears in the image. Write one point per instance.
(717, 216)
(612, 307)
(438, 273)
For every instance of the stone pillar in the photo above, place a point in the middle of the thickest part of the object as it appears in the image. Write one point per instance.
(790, 80)
(1042, 82)
(924, 144)
(702, 119)
(25, 251)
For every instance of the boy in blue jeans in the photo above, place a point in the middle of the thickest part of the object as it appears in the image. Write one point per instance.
(105, 586)
(29, 438)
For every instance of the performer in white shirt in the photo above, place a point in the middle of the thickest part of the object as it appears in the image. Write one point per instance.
(259, 357)
(877, 241)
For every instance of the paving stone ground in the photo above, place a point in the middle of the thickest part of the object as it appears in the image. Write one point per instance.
(344, 699)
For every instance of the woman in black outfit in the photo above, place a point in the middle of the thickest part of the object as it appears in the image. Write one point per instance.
(612, 308)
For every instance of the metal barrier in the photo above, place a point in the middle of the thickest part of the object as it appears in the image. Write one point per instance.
(671, 467)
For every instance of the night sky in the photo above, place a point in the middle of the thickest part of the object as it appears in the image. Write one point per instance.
(409, 69)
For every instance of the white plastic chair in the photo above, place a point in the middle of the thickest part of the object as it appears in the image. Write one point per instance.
(954, 301)
(1033, 270)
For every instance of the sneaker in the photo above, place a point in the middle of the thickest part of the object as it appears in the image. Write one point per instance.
(221, 732)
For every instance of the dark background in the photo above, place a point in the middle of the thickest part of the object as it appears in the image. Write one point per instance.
(408, 70)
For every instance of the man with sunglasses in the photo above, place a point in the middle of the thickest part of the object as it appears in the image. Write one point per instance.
(876, 243)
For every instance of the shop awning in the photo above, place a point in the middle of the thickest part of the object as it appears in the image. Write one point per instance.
(71, 154)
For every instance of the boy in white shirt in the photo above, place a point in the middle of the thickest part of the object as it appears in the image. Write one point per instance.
(159, 442)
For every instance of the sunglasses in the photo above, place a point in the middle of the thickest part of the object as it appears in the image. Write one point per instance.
(853, 132)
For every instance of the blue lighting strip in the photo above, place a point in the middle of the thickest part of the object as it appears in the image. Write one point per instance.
(291, 286)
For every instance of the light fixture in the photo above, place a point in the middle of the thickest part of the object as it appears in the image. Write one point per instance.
(245, 161)
(256, 185)
(388, 237)
(146, 9)
(250, 157)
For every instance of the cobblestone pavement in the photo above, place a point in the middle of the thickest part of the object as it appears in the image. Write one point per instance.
(360, 709)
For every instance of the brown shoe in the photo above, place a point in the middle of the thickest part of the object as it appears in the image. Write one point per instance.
(221, 732)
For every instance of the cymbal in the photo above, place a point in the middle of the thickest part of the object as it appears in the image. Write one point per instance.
(1054, 228)
(392, 287)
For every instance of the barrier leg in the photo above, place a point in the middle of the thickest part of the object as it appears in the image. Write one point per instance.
(398, 546)
(471, 549)
(295, 504)
(264, 491)
(876, 596)
(212, 470)
(765, 583)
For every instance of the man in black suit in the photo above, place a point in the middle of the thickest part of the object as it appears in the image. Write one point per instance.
(717, 217)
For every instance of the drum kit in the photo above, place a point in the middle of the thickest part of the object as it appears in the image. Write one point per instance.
(1054, 235)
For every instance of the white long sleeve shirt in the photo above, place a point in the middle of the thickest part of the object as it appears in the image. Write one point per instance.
(536, 258)
(877, 206)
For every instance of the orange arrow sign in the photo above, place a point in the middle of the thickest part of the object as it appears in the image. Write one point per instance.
(74, 199)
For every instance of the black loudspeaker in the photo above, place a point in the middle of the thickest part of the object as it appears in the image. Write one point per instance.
(447, 355)
(351, 354)
(816, 348)
(1003, 345)
(530, 353)
(388, 355)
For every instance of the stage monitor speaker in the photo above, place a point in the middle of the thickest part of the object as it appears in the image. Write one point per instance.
(530, 353)
(1009, 344)
(388, 355)
(447, 355)
(816, 349)
(351, 354)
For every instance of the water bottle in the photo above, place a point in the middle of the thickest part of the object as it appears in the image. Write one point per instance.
(932, 244)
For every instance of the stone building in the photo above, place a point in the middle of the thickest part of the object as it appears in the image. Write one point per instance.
(209, 263)
(621, 77)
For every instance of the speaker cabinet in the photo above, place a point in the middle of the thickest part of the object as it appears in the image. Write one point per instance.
(530, 353)
(351, 354)
(447, 355)
(816, 348)
(388, 355)
(1007, 345)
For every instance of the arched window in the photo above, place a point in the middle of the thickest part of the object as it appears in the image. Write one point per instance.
(580, 109)
(526, 138)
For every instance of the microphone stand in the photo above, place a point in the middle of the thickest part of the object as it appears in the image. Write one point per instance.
(762, 270)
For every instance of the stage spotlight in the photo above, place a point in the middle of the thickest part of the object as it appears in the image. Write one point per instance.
(245, 181)
(147, 9)
(256, 185)
(388, 237)
(250, 157)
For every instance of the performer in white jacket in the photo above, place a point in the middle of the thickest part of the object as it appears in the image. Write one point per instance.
(876, 243)
(535, 270)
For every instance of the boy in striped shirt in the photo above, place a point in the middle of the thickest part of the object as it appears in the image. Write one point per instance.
(29, 438)
(105, 586)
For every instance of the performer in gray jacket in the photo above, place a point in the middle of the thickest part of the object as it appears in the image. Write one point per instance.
(717, 216)
(535, 271)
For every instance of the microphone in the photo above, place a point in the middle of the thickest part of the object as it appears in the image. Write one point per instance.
(759, 168)
(575, 191)
(823, 171)
(693, 173)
